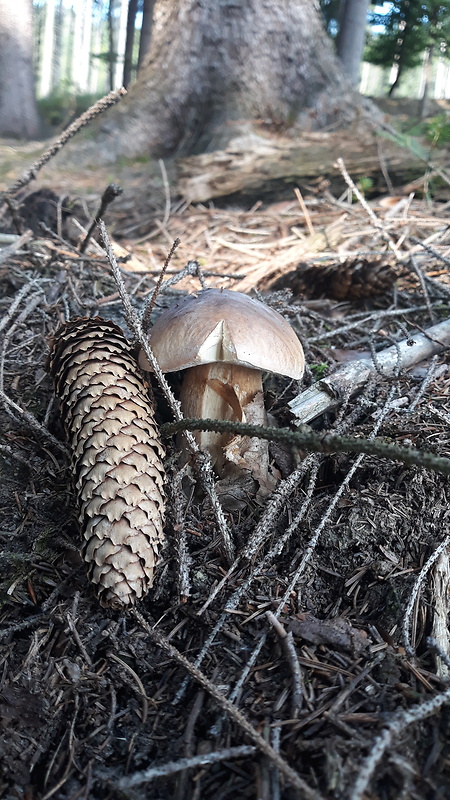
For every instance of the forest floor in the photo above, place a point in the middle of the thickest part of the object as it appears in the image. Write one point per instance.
(351, 553)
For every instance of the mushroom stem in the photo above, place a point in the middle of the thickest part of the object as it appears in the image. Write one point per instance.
(221, 390)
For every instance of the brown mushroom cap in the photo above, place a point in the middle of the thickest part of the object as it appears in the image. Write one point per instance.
(221, 325)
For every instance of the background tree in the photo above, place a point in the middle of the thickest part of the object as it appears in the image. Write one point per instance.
(146, 31)
(129, 44)
(18, 110)
(410, 28)
(352, 36)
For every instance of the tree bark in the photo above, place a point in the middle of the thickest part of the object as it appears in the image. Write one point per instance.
(352, 36)
(146, 31)
(18, 110)
(128, 59)
(215, 67)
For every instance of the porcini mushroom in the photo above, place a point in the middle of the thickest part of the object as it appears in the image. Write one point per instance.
(225, 340)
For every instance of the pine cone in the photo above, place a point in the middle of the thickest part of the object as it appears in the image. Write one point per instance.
(353, 279)
(116, 456)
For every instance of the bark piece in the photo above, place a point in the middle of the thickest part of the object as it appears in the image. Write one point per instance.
(116, 457)
(336, 633)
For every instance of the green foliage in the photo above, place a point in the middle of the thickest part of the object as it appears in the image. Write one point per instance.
(437, 130)
(61, 108)
(319, 370)
(404, 37)
(410, 27)
(365, 184)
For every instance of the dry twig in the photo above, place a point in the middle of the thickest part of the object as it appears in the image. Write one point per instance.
(92, 112)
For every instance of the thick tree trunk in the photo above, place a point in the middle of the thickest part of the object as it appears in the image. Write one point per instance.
(215, 67)
(352, 36)
(18, 110)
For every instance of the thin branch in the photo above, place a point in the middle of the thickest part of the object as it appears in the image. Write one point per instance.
(98, 108)
(150, 302)
(6, 252)
(162, 167)
(291, 776)
(288, 645)
(415, 591)
(171, 767)
(371, 214)
(112, 191)
(31, 421)
(396, 727)
(272, 510)
(325, 442)
(437, 255)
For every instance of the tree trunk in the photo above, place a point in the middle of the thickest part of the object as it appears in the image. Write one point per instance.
(146, 31)
(216, 66)
(427, 78)
(81, 45)
(397, 80)
(45, 77)
(121, 43)
(128, 58)
(57, 44)
(18, 110)
(111, 51)
(352, 36)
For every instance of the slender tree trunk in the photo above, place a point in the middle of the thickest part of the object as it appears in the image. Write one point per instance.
(128, 59)
(57, 45)
(397, 80)
(215, 66)
(427, 69)
(121, 43)
(81, 45)
(85, 65)
(45, 77)
(111, 51)
(96, 67)
(146, 31)
(352, 36)
(18, 110)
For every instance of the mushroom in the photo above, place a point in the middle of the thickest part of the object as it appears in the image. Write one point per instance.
(225, 340)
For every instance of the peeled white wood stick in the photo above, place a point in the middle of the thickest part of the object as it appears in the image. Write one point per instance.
(441, 599)
(328, 392)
